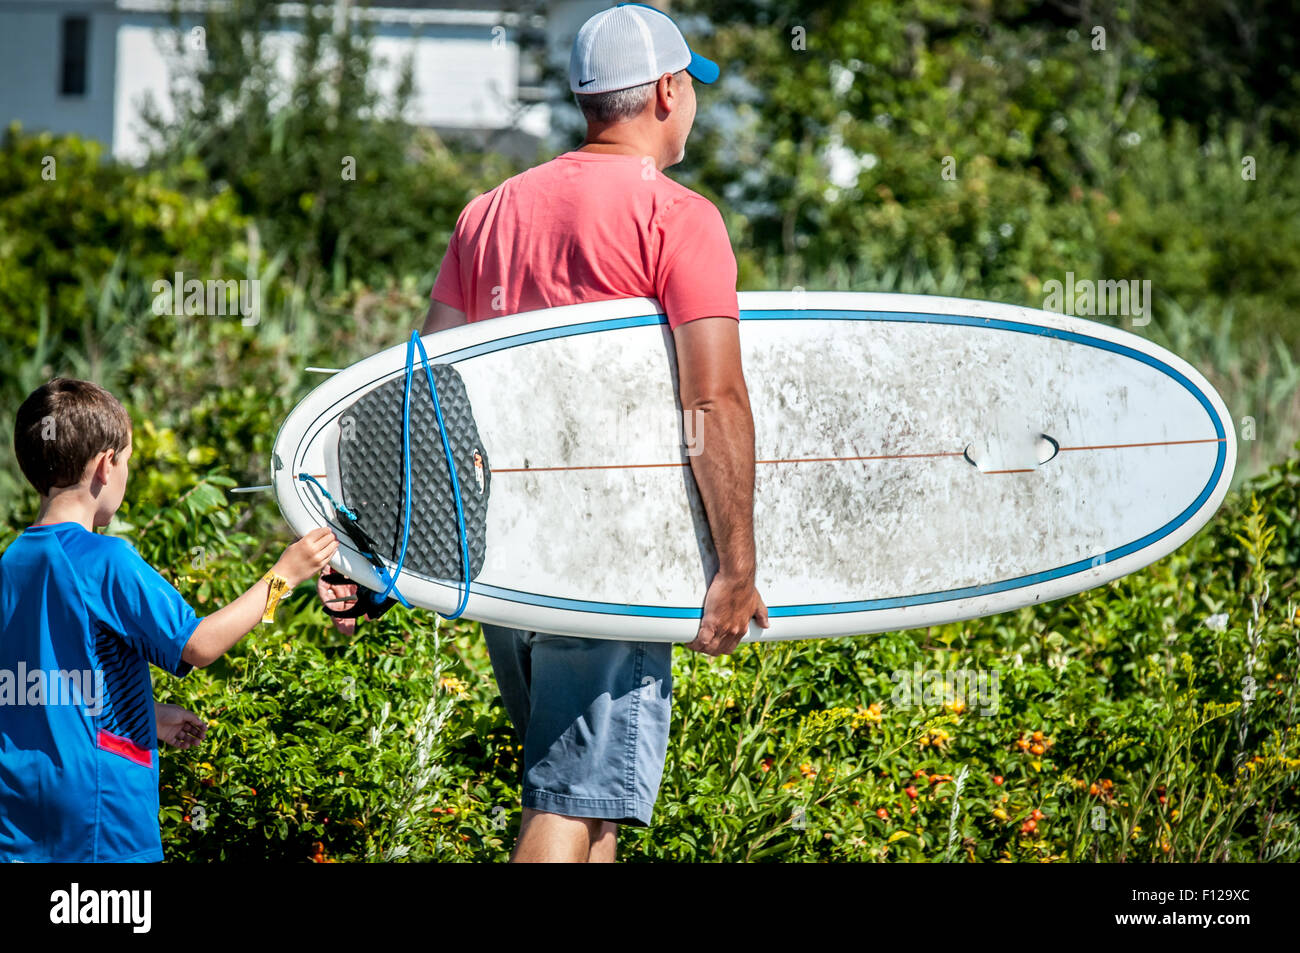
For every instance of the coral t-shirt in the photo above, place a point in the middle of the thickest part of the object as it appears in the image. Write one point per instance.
(589, 227)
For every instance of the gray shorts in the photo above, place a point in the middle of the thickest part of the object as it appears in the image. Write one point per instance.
(593, 717)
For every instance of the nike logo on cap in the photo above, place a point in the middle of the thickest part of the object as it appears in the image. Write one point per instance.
(584, 82)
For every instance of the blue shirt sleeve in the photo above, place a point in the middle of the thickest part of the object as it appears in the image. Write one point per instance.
(152, 617)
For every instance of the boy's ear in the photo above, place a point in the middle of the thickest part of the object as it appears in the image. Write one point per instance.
(99, 466)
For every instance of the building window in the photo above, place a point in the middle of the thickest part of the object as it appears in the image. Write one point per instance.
(76, 33)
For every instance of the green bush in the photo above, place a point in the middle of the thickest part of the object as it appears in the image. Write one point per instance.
(69, 219)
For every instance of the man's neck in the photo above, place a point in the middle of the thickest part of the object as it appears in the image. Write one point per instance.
(622, 147)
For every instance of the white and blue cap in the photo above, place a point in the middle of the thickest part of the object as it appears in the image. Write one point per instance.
(630, 45)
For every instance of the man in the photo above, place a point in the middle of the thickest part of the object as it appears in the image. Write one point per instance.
(595, 224)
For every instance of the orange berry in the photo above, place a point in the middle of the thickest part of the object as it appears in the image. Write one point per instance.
(1037, 749)
(881, 813)
(910, 791)
(997, 779)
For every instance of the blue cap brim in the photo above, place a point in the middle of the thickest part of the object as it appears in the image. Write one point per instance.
(706, 71)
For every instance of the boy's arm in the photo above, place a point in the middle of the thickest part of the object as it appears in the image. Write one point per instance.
(219, 632)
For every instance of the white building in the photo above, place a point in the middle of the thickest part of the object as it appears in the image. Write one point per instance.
(86, 66)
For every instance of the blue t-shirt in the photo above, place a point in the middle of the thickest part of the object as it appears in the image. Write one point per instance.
(82, 616)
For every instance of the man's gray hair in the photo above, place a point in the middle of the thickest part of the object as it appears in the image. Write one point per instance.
(618, 105)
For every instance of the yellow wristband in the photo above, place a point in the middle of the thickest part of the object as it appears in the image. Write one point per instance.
(279, 589)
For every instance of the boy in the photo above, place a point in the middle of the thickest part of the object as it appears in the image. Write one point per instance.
(82, 617)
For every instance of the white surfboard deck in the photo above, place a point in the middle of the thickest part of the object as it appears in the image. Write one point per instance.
(920, 460)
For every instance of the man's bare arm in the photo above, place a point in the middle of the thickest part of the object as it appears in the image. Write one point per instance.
(712, 384)
(440, 317)
(713, 392)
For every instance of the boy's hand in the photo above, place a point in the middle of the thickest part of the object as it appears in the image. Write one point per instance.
(308, 556)
(178, 727)
(219, 632)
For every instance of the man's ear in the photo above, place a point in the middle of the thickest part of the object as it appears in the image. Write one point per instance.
(665, 89)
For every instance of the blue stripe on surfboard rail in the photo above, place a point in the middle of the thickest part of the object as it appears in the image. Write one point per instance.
(865, 605)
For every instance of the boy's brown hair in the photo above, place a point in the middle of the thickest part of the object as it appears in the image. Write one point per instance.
(62, 426)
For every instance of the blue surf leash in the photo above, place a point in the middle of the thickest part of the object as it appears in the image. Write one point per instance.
(378, 603)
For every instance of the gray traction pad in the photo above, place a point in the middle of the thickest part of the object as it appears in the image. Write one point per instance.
(370, 464)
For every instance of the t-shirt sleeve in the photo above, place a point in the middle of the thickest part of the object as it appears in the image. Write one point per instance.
(447, 286)
(696, 277)
(152, 617)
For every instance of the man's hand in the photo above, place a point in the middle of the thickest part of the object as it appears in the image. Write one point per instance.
(728, 606)
(342, 596)
(178, 727)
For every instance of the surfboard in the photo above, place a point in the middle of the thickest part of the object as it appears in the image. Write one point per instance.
(919, 460)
